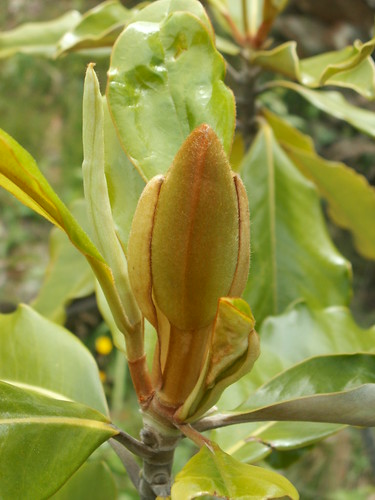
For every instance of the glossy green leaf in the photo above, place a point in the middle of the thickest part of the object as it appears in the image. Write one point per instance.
(332, 389)
(292, 255)
(158, 94)
(68, 275)
(98, 27)
(351, 200)
(37, 354)
(43, 441)
(37, 38)
(92, 480)
(336, 105)
(351, 67)
(218, 474)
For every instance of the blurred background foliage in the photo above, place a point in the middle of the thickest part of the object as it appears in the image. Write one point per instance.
(40, 106)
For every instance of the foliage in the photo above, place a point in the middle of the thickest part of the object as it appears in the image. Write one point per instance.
(167, 103)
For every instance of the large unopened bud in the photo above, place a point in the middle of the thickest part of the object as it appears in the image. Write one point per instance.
(189, 245)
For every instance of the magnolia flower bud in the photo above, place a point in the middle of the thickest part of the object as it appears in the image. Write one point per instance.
(189, 246)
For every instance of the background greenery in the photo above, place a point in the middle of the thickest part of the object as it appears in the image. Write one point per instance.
(40, 106)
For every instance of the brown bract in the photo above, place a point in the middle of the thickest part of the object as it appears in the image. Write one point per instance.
(189, 246)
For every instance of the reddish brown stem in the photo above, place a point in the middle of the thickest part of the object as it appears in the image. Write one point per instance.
(141, 380)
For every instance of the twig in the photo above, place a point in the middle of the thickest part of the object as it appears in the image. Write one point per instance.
(128, 461)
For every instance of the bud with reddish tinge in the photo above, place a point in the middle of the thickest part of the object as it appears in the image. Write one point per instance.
(189, 246)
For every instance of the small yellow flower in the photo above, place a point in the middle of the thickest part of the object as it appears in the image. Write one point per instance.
(103, 345)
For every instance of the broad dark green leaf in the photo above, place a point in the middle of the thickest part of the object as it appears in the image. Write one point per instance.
(292, 255)
(332, 389)
(218, 474)
(157, 92)
(93, 480)
(37, 354)
(68, 275)
(350, 197)
(98, 27)
(43, 441)
(37, 38)
(335, 104)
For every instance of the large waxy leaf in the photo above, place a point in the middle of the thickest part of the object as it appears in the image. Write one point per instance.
(217, 474)
(351, 199)
(93, 480)
(43, 441)
(68, 275)
(157, 94)
(292, 255)
(98, 27)
(37, 38)
(335, 104)
(37, 354)
(351, 67)
(335, 389)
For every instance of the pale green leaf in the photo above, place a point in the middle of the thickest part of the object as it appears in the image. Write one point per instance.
(93, 480)
(124, 183)
(97, 198)
(157, 92)
(351, 67)
(218, 474)
(229, 15)
(43, 441)
(351, 200)
(312, 332)
(292, 254)
(335, 104)
(68, 275)
(39, 38)
(281, 59)
(20, 176)
(257, 443)
(98, 27)
(37, 354)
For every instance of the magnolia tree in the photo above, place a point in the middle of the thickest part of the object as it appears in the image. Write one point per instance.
(164, 238)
